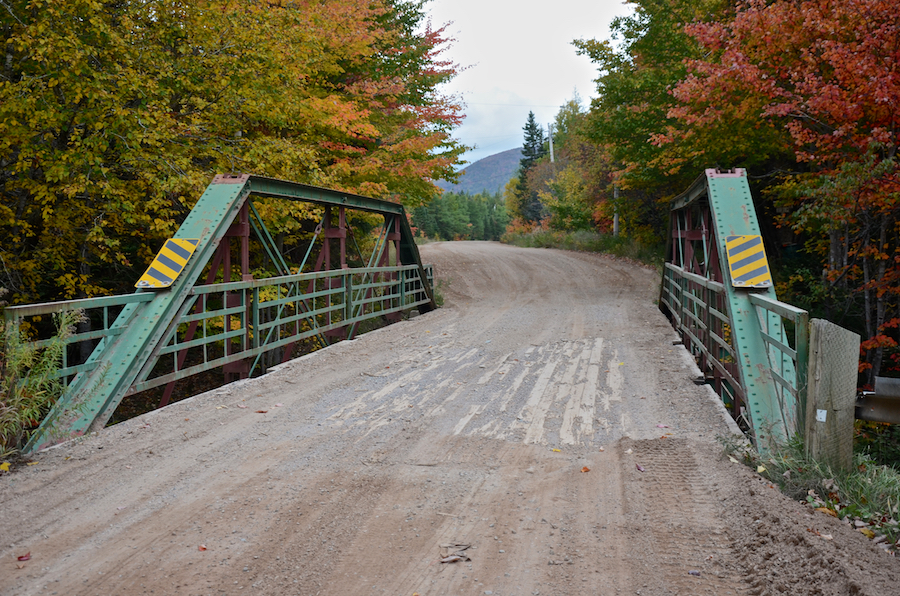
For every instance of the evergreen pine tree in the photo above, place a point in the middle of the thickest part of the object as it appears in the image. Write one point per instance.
(533, 148)
(529, 204)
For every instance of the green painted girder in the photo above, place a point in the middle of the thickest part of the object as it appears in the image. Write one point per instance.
(409, 252)
(772, 412)
(127, 358)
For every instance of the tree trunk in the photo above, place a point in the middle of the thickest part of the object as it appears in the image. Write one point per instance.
(880, 304)
(85, 347)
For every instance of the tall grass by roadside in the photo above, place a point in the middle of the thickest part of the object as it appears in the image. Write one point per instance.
(28, 383)
(866, 496)
(588, 242)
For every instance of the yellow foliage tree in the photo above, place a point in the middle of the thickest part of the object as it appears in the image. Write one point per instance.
(115, 115)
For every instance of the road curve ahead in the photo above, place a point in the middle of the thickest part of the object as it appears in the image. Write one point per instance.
(540, 434)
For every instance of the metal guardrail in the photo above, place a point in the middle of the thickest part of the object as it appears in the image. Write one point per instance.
(250, 319)
(882, 404)
(718, 292)
(779, 372)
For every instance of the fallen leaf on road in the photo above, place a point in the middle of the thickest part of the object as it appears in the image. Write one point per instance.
(639, 467)
(25, 557)
(202, 547)
(629, 452)
(4, 467)
(242, 406)
(32, 463)
(867, 532)
(760, 469)
(827, 536)
(585, 469)
(278, 405)
(261, 411)
(221, 407)
(602, 449)
(556, 450)
(20, 565)
(827, 511)
(662, 426)
(731, 459)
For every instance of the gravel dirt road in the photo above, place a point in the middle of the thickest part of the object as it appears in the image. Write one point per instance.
(543, 417)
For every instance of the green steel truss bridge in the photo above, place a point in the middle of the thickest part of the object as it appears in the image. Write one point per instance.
(718, 293)
(189, 316)
(186, 318)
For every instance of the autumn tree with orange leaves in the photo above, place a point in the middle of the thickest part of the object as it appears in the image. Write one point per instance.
(828, 73)
(114, 115)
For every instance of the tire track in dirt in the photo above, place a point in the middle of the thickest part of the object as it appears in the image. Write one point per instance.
(672, 510)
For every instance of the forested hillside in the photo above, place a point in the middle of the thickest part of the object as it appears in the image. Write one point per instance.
(486, 175)
(804, 95)
(115, 115)
(461, 216)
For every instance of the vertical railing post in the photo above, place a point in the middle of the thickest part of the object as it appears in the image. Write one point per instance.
(682, 283)
(348, 295)
(402, 277)
(254, 310)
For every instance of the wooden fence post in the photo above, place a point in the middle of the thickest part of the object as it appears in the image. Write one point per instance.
(831, 398)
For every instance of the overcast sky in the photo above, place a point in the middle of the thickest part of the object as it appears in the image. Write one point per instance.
(520, 58)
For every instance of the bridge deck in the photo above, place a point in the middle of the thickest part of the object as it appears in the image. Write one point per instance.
(345, 471)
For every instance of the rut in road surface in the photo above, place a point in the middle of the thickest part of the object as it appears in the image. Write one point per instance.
(544, 418)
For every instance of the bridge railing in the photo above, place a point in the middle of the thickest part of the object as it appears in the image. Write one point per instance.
(227, 323)
(788, 354)
(699, 312)
(104, 319)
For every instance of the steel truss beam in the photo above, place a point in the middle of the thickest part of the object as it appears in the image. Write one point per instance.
(738, 335)
(153, 338)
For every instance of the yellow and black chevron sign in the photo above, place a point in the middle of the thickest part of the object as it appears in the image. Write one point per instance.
(168, 264)
(747, 262)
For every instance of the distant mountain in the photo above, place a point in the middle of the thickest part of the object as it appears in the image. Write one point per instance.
(486, 175)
